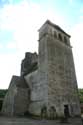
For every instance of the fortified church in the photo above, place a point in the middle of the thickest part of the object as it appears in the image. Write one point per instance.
(47, 83)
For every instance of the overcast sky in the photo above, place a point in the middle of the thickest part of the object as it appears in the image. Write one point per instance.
(19, 24)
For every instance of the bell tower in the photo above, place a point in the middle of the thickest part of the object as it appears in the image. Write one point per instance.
(57, 71)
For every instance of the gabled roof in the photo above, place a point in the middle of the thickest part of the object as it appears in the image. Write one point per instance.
(56, 27)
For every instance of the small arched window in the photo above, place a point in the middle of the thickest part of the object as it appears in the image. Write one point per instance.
(55, 34)
(65, 40)
(60, 37)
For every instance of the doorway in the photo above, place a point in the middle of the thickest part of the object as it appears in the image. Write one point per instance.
(1, 102)
(66, 111)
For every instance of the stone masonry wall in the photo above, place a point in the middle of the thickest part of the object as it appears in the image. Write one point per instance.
(57, 66)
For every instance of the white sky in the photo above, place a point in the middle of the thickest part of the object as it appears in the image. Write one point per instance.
(24, 20)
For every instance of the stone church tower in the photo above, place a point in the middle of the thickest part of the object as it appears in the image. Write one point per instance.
(47, 86)
(57, 72)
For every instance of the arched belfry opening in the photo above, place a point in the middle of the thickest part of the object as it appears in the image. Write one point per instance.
(65, 40)
(55, 34)
(60, 37)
